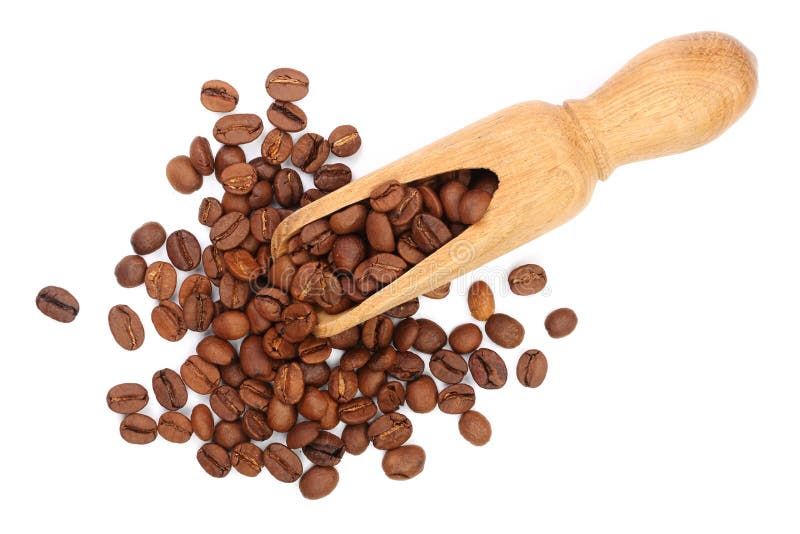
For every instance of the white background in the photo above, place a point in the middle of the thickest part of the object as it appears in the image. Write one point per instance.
(672, 408)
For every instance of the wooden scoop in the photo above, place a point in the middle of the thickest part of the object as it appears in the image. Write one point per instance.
(676, 95)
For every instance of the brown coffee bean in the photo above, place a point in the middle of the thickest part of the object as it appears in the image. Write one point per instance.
(404, 463)
(233, 293)
(448, 366)
(270, 303)
(561, 322)
(216, 350)
(148, 238)
(475, 428)
(287, 84)
(277, 147)
(315, 374)
(227, 155)
(276, 346)
(527, 279)
(450, 195)
(130, 270)
(421, 394)
(344, 140)
(213, 265)
(254, 361)
(282, 463)
(408, 249)
(261, 195)
(355, 438)
(429, 233)
(214, 460)
(346, 339)
(331, 417)
(255, 425)
(289, 386)
(408, 208)
(255, 393)
(488, 369)
(465, 338)
(369, 381)
(198, 313)
(226, 403)
(379, 269)
(326, 449)
(202, 422)
(314, 350)
(182, 175)
(314, 404)
(331, 177)
(127, 398)
(239, 178)
(228, 434)
(183, 250)
(480, 300)
(408, 366)
(473, 205)
(310, 152)
(302, 434)
(246, 458)
(174, 427)
(389, 431)
(440, 292)
(505, 330)
(232, 374)
(168, 320)
(405, 334)
(342, 385)
(195, 283)
(456, 399)
(531, 368)
(430, 338)
(311, 195)
(57, 303)
(288, 188)
(217, 95)
(357, 410)
(404, 310)
(200, 156)
(299, 320)
(230, 325)
(241, 265)
(387, 196)
(169, 389)
(126, 327)
(383, 359)
(263, 223)
(379, 232)
(265, 170)
(349, 220)
(391, 396)
(377, 332)
(317, 237)
(238, 129)
(160, 280)
(281, 416)
(347, 252)
(138, 429)
(431, 201)
(287, 116)
(199, 375)
(319, 482)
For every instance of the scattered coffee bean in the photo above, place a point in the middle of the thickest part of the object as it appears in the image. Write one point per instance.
(239, 178)
(228, 434)
(167, 317)
(200, 376)
(391, 397)
(58, 304)
(310, 152)
(282, 463)
(286, 116)
(332, 177)
(182, 175)
(404, 462)
(202, 422)
(201, 157)
(277, 147)
(505, 330)
(130, 271)
(183, 250)
(465, 338)
(344, 140)
(531, 368)
(238, 129)
(325, 450)
(214, 460)
(287, 188)
(448, 366)
(561, 322)
(227, 155)
(480, 300)
(422, 395)
(430, 338)
(226, 403)
(488, 369)
(302, 434)
(319, 482)
(456, 399)
(527, 279)
(169, 389)
(138, 429)
(389, 431)
(174, 427)
(126, 327)
(475, 428)
(357, 410)
(255, 425)
(217, 95)
(127, 398)
(287, 84)
(355, 438)
(160, 280)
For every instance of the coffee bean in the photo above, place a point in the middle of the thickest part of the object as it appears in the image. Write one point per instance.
(319, 482)
(465, 338)
(241, 265)
(448, 366)
(239, 178)
(475, 428)
(226, 403)
(345, 140)
(287, 84)
(261, 195)
(195, 283)
(228, 434)
(357, 410)
(57, 303)
(230, 325)
(182, 175)
(183, 250)
(217, 95)
(232, 374)
(160, 280)
(270, 303)
(389, 431)
(281, 416)
(369, 381)
(383, 359)
(148, 238)
(408, 249)
(314, 350)
(213, 265)
(266, 171)
(314, 404)
(379, 269)
(429, 233)
(430, 338)
(505, 330)
(527, 279)
(310, 152)
(408, 208)
(169, 389)
(168, 320)
(129, 272)
(440, 292)
(174, 427)
(254, 393)
(287, 188)
(421, 394)
(277, 347)
(302, 434)
(488, 369)
(531, 368)
(216, 350)
(238, 129)
(332, 177)
(561, 322)
(326, 449)
(198, 312)
(277, 147)
(299, 320)
(254, 361)
(315, 374)
(404, 463)
(317, 237)
(227, 155)
(450, 195)
(202, 422)
(404, 310)
(126, 327)
(233, 293)
(386, 196)
(347, 252)
(331, 417)
(282, 463)
(355, 438)
(199, 375)
(255, 425)
(405, 334)
(127, 398)
(311, 195)
(286, 116)
(377, 332)
(431, 201)
(214, 460)
(473, 205)
(391, 396)
(263, 223)
(456, 399)
(379, 232)
(349, 220)
(407, 366)
(246, 458)
(480, 300)
(200, 156)
(138, 429)
(289, 386)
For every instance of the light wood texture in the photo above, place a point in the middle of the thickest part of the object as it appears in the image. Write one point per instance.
(674, 96)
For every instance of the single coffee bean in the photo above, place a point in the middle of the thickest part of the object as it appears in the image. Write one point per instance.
(383, 359)
(405, 334)
(421, 394)
(430, 338)
(126, 398)
(331, 177)
(488, 369)
(270, 303)
(169, 389)
(289, 386)
(408, 208)
(230, 325)
(160, 280)
(287, 84)
(239, 178)
(228, 434)
(331, 417)
(318, 237)
(302, 434)
(465, 338)
(311, 195)
(379, 269)
(246, 458)
(148, 238)
(255, 425)
(347, 252)
(263, 222)
(346, 339)
(167, 317)
(391, 396)
(319, 482)
(316, 375)
(126, 327)
(354, 359)
(349, 220)
(342, 385)
(407, 366)
(276, 346)
(429, 233)
(254, 361)
(182, 175)
(505, 330)
(480, 300)
(199, 375)
(404, 462)
(216, 350)
(310, 152)
(227, 155)
(379, 232)
(448, 366)
(282, 463)
(561, 322)
(183, 250)
(214, 460)
(439, 292)
(386, 196)
(233, 293)
(277, 147)
(217, 95)
(255, 393)
(130, 271)
(281, 416)
(195, 283)
(355, 438)
(265, 170)
(456, 399)
(345, 140)
(389, 431)
(226, 403)
(232, 374)
(174, 427)
(450, 195)
(241, 265)
(531, 368)
(288, 188)
(202, 422)
(198, 312)
(287, 116)
(299, 320)
(527, 279)
(213, 265)
(138, 429)
(238, 129)
(404, 310)
(473, 205)
(314, 404)
(431, 201)
(326, 450)
(408, 249)
(200, 156)
(314, 350)
(261, 195)
(57, 303)
(377, 332)
(475, 428)
(357, 410)
(369, 381)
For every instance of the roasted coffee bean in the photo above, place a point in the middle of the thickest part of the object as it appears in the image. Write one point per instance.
(263, 222)
(160, 280)
(404, 310)
(198, 312)
(349, 220)
(270, 303)
(174, 427)
(199, 375)
(202, 422)
(346, 339)
(214, 460)
(480, 300)
(319, 482)
(265, 170)
(168, 320)
(255, 393)
(287, 84)
(277, 347)
(282, 463)
(404, 462)
(298, 251)
(527, 279)
(233, 293)
(430, 338)
(488, 369)
(450, 195)
(355, 438)
(382, 359)
(505, 330)
(302, 434)
(408, 366)
(318, 237)
(354, 359)
(310, 152)
(287, 188)
(314, 350)
(183, 250)
(386, 196)
(240, 264)
(357, 410)
(405, 334)
(408, 249)
(331, 417)
(431, 201)
(439, 292)
(389, 431)
(429, 233)
(531, 368)
(347, 252)
(261, 195)
(231, 202)
(57, 303)
(369, 381)
(255, 425)
(448, 366)
(126, 398)
(473, 205)
(381, 268)
(326, 450)
(195, 283)
(200, 156)
(246, 458)
(217, 95)
(226, 403)
(299, 320)
(216, 350)
(182, 175)
(342, 385)
(228, 434)
(232, 374)
(169, 389)
(561, 322)
(238, 129)
(130, 270)
(331, 177)
(277, 147)
(280, 416)
(421, 394)
(227, 155)
(377, 332)
(311, 195)
(148, 238)
(314, 404)
(287, 116)
(289, 386)
(125, 326)
(254, 361)
(379, 232)
(408, 208)
(344, 140)
(230, 325)
(213, 265)
(138, 429)
(239, 178)
(475, 428)
(391, 396)
(465, 338)
(315, 374)
(456, 399)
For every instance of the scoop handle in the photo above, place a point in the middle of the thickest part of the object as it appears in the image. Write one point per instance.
(677, 95)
